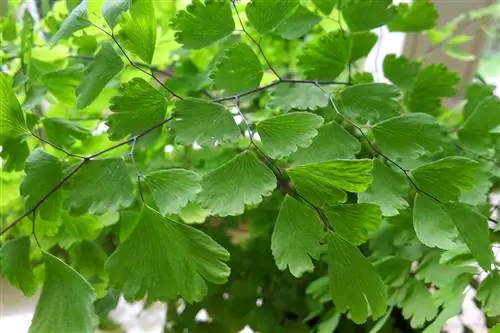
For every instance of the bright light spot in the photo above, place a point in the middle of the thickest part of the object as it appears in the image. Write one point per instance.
(196, 146)
(238, 119)
(259, 302)
(101, 128)
(247, 329)
(169, 148)
(202, 316)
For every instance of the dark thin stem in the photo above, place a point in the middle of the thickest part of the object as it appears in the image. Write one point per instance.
(137, 173)
(33, 231)
(324, 219)
(56, 146)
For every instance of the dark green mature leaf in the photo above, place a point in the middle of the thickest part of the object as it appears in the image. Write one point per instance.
(100, 186)
(43, 172)
(105, 66)
(418, 304)
(355, 223)
(297, 237)
(371, 101)
(409, 134)
(474, 132)
(238, 69)
(63, 132)
(355, 284)
(475, 94)
(401, 71)
(488, 294)
(204, 122)
(196, 26)
(282, 135)
(433, 226)
(66, 302)
(113, 9)
(15, 264)
(298, 24)
(12, 123)
(163, 259)
(362, 44)
(138, 107)
(332, 142)
(446, 178)
(62, 83)
(297, 96)
(325, 6)
(388, 189)
(420, 15)
(76, 20)
(14, 153)
(324, 183)
(363, 15)
(393, 270)
(265, 15)
(88, 258)
(473, 227)
(138, 33)
(244, 180)
(172, 189)
(326, 59)
(77, 228)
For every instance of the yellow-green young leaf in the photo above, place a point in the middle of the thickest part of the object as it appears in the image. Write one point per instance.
(495, 329)
(43, 172)
(371, 101)
(265, 15)
(297, 237)
(433, 226)
(76, 20)
(203, 122)
(410, 133)
(15, 264)
(197, 27)
(401, 71)
(113, 9)
(163, 259)
(355, 223)
(326, 59)
(388, 189)
(324, 183)
(138, 107)
(474, 133)
(364, 15)
(244, 180)
(238, 69)
(283, 134)
(138, 33)
(297, 96)
(63, 132)
(355, 284)
(66, 302)
(172, 189)
(12, 123)
(418, 304)
(62, 83)
(473, 228)
(298, 24)
(420, 15)
(489, 294)
(332, 142)
(444, 179)
(362, 44)
(100, 186)
(105, 66)
(325, 6)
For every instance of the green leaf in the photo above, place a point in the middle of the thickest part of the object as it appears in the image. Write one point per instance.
(238, 69)
(12, 123)
(244, 180)
(355, 284)
(388, 189)
(409, 134)
(474, 132)
(15, 265)
(265, 15)
(138, 107)
(88, 258)
(326, 59)
(324, 183)
(325, 6)
(297, 237)
(63, 132)
(298, 24)
(475, 94)
(104, 67)
(43, 172)
(447, 177)
(297, 96)
(62, 83)
(362, 44)
(282, 135)
(429, 86)
(370, 101)
(14, 153)
(401, 71)
(418, 304)
(364, 15)
(355, 223)
(488, 294)
(76, 20)
(473, 228)
(66, 302)
(203, 122)
(85, 189)
(190, 258)
(172, 189)
(420, 15)
(113, 9)
(433, 226)
(196, 26)
(138, 33)
(78, 228)
(393, 270)
(332, 142)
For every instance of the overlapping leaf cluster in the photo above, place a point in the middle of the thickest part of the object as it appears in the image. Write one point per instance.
(324, 199)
